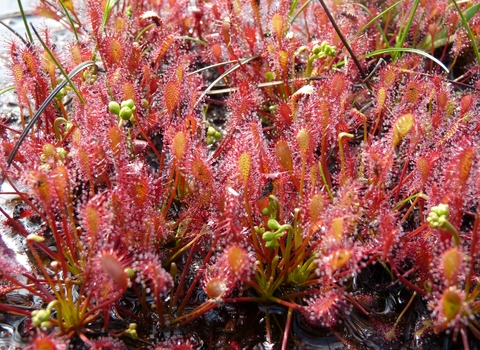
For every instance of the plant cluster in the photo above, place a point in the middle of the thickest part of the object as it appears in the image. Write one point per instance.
(177, 160)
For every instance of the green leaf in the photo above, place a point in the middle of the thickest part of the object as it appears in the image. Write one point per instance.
(406, 49)
(471, 12)
(469, 31)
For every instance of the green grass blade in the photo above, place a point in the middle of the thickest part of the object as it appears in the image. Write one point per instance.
(44, 105)
(374, 20)
(467, 28)
(293, 6)
(405, 49)
(195, 40)
(403, 35)
(143, 31)
(7, 89)
(59, 66)
(108, 7)
(292, 19)
(69, 19)
(24, 18)
(471, 11)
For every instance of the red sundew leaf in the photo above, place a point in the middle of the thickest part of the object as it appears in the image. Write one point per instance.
(179, 144)
(216, 51)
(17, 71)
(200, 171)
(389, 78)
(92, 221)
(7, 150)
(226, 30)
(338, 85)
(465, 103)
(162, 49)
(466, 161)
(442, 99)
(128, 91)
(277, 23)
(115, 51)
(284, 155)
(402, 127)
(31, 63)
(141, 191)
(423, 166)
(251, 36)
(190, 125)
(244, 164)
(116, 138)
(316, 207)
(283, 60)
(172, 95)
(412, 92)
(237, 258)
(61, 183)
(285, 113)
(84, 162)
(452, 260)
(42, 187)
(114, 269)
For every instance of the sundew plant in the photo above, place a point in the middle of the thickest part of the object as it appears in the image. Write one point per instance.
(244, 174)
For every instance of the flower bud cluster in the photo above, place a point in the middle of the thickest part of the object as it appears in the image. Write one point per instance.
(41, 318)
(124, 110)
(276, 232)
(438, 216)
(212, 135)
(323, 50)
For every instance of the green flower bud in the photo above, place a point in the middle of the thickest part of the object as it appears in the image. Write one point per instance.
(331, 51)
(269, 236)
(259, 230)
(39, 316)
(269, 76)
(210, 140)
(211, 131)
(46, 325)
(273, 224)
(61, 94)
(217, 135)
(114, 107)
(61, 153)
(130, 272)
(125, 113)
(128, 103)
(271, 244)
(133, 334)
(438, 216)
(128, 11)
(316, 49)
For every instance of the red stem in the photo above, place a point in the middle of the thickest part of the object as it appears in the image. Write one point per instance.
(197, 277)
(287, 328)
(184, 272)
